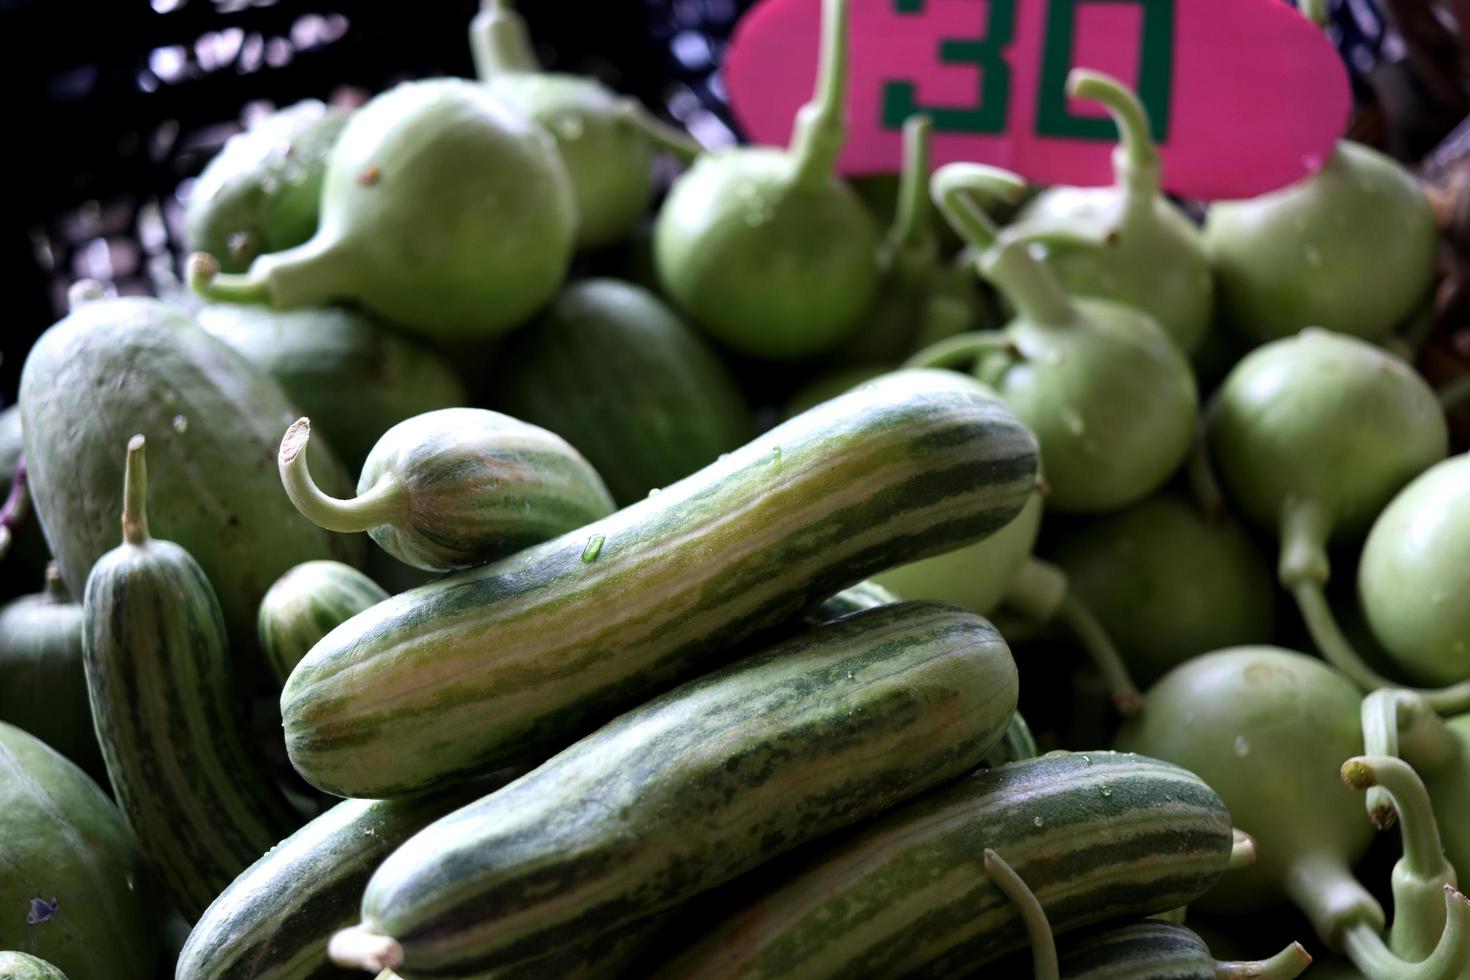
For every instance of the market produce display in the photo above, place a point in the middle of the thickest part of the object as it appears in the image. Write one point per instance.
(830, 602)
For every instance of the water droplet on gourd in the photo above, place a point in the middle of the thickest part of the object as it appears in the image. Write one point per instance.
(1104, 789)
(180, 424)
(1242, 746)
(593, 549)
(1037, 821)
(1087, 760)
(849, 675)
(655, 491)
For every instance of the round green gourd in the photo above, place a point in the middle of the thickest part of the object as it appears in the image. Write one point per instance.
(1350, 249)
(1126, 243)
(606, 141)
(353, 375)
(1167, 583)
(611, 369)
(455, 488)
(73, 886)
(262, 191)
(306, 604)
(22, 966)
(442, 211)
(1111, 399)
(766, 249)
(1414, 575)
(43, 685)
(123, 366)
(828, 385)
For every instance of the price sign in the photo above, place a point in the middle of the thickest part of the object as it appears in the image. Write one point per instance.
(1244, 96)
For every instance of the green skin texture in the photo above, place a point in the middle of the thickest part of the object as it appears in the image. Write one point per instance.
(115, 368)
(1322, 420)
(766, 264)
(478, 486)
(1147, 950)
(442, 211)
(262, 192)
(867, 594)
(1350, 249)
(611, 369)
(1414, 575)
(306, 604)
(20, 966)
(28, 554)
(61, 838)
(828, 385)
(1167, 583)
(542, 646)
(907, 895)
(354, 376)
(43, 685)
(699, 786)
(1269, 729)
(610, 163)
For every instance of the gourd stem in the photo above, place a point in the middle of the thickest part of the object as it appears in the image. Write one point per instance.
(384, 503)
(206, 280)
(1104, 655)
(1315, 11)
(1136, 161)
(1339, 652)
(659, 134)
(56, 590)
(1305, 528)
(135, 493)
(1029, 284)
(1322, 886)
(962, 349)
(358, 947)
(1288, 964)
(1450, 959)
(1454, 394)
(1038, 929)
(820, 129)
(499, 42)
(913, 223)
(1242, 850)
(17, 506)
(1380, 720)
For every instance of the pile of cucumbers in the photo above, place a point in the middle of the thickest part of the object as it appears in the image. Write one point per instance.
(498, 564)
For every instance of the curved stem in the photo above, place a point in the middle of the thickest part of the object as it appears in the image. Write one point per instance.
(1305, 529)
(659, 134)
(1136, 161)
(384, 503)
(1242, 850)
(1323, 887)
(135, 493)
(1104, 655)
(17, 505)
(1038, 929)
(499, 41)
(820, 130)
(1449, 961)
(1288, 964)
(952, 188)
(962, 349)
(365, 950)
(1038, 591)
(206, 280)
(1453, 395)
(913, 223)
(1380, 721)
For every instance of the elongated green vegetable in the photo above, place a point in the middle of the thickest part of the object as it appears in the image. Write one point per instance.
(306, 604)
(498, 662)
(158, 676)
(1153, 950)
(692, 789)
(22, 966)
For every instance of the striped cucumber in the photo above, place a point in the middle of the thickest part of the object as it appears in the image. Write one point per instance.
(455, 488)
(530, 652)
(73, 887)
(158, 676)
(865, 595)
(692, 789)
(273, 922)
(306, 604)
(616, 372)
(1154, 950)
(1095, 836)
(21, 966)
(609, 956)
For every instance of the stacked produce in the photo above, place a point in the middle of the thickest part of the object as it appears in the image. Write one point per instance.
(602, 672)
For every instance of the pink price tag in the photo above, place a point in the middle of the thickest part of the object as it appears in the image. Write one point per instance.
(1244, 96)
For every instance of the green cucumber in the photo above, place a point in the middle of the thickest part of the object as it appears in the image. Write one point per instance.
(306, 604)
(455, 488)
(609, 956)
(21, 966)
(690, 790)
(1095, 836)
(352, 374)
(73, 887)
(43, 685)
(481, 668)
(158, 673)
(1154, 950)
(116, 367)
(273, 922)
(615, 372)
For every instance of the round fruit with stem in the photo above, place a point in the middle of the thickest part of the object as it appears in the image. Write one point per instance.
(766, 249)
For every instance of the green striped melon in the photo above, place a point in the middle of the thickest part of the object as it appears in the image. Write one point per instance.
(306, 604)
